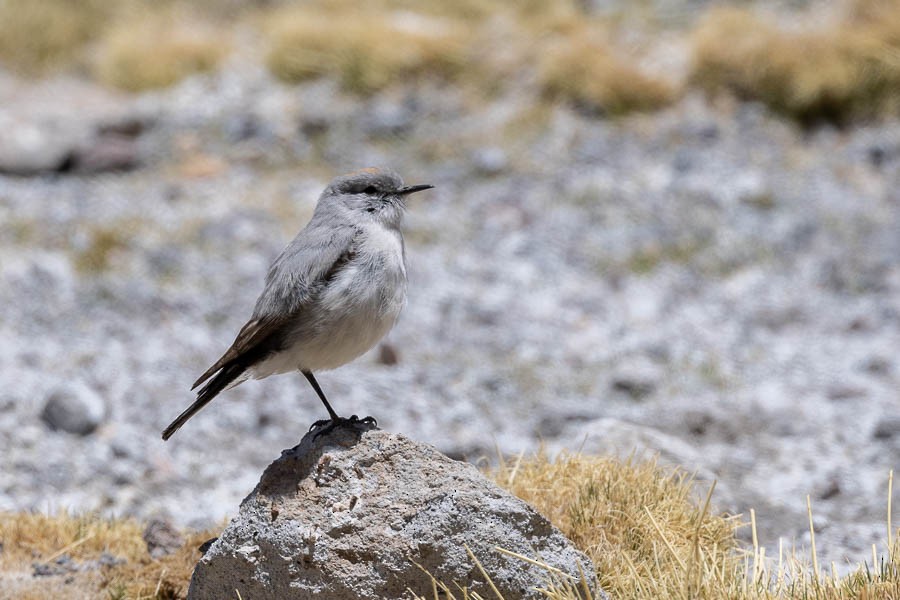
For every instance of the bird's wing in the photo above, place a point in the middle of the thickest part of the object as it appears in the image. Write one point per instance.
(304, 266)
(312, 259)
(250, 336)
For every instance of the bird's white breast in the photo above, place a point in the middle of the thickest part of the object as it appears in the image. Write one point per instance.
(358, 307)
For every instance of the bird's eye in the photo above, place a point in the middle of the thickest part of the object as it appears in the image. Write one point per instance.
(370, 190)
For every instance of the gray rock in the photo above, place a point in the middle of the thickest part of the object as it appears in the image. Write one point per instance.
(637, 378)
(888, 427)
(32, 148)
(74, 408)
(345, 515)
(388, 119)
(162, 537)
(388, 354)
(107, 152)
(490, 161)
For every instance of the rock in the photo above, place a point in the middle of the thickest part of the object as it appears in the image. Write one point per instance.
(63, 565)
(74, 408)
(162, 538)
(490, 161)
(244, 126)
(638, 379)
(107, 152)
(887, 427)
(128, 124)
(388, 354)
(345, 515)
(315, 124)
(32, 148)
(389, 119)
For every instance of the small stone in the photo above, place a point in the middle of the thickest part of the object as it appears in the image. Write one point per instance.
(108, 152)
(846, 392)
(638, 379)
(242, 127)
(490, 161)
(36, 147)
(887, 427)
(388, 355)
(877, 366)
(162, 538)
(127, 124)
(313, 125)
(43, 570)
(74, 408)
(388, 119)
(831, 489)
(63, 565)
(205, 546)
(110, 560)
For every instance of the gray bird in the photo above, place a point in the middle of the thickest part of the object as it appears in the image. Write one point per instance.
(331, 294)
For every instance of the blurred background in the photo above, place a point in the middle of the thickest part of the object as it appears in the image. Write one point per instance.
(666, 226)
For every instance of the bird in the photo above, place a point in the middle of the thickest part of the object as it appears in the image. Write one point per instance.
(334, 291)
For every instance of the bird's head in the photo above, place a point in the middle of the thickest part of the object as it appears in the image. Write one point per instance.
(373, 193)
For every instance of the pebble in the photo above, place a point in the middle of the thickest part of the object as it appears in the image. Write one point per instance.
(74, 408)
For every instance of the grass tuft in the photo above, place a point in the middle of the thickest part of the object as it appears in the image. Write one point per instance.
(365, 52)
(846, 72)
(637, 522)
(39, 36)
(587, 73)
(30, 539)
(156, 51)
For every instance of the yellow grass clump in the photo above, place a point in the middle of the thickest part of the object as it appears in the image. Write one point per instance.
(588, 74)
(157, 51)
(365, 52)
(847, 71)
(37, 36)
(30, 539)
(640, 525)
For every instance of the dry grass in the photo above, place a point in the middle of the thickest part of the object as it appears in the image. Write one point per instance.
(136, 44)
(649, 539)
(588, 74)
(157, 51)
(365, 52)
(642, 526)
(639, 524)
(38, 36)
(484, 46)
(848, 71)
(30, 539)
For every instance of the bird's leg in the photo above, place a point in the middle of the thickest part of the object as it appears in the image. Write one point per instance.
(335, 420)
(315, 384)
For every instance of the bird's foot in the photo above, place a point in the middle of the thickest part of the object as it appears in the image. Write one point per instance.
(329, 425)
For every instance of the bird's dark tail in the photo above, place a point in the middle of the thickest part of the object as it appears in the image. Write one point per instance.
(222, 380)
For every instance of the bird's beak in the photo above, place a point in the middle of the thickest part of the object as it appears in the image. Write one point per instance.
(411, 189)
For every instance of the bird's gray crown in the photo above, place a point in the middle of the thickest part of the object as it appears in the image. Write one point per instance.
(365, 181)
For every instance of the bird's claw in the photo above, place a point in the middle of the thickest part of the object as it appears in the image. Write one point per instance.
(329, 425)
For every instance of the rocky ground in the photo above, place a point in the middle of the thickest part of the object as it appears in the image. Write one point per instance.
(714, 282)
